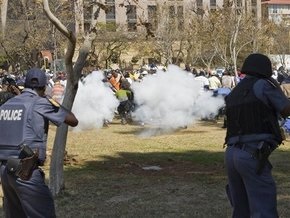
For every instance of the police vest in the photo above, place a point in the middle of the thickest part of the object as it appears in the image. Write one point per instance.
(14, 118)
(246, 114)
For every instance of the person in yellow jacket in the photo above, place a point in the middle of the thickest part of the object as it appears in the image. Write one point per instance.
(125, 97)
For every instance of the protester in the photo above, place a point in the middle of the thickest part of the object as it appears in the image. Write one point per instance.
(62, 78)
(57, 91)
(239, 77)
(223, 92)
(9, 90)
(23, 148)
(214, 81)
(115, 79)
(228, 80)
(285, 86)
(125, 97)
(204, 83)
(275, 74)
(253, 132)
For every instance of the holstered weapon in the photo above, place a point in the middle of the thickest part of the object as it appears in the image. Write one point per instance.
(262, 153)
(24, 165)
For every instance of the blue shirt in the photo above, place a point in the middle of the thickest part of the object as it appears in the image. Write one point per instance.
(43, 112)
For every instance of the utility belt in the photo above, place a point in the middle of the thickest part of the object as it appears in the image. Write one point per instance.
(260, 152)
(23, 166)
(250, 149)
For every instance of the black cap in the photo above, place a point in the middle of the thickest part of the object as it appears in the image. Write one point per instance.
(257, 65)
(35, 78)
(8, 81)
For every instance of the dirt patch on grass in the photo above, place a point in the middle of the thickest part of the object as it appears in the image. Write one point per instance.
(181, 169)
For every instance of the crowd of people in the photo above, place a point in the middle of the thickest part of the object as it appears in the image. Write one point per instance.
(120, 82)
(13, 84)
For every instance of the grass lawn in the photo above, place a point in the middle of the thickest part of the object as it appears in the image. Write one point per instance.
(106, 174)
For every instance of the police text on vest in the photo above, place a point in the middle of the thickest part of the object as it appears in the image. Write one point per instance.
(11, 114)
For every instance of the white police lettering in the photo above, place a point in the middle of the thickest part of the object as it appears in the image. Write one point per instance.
(11, 114)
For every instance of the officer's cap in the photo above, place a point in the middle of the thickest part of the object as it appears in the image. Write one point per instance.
(35, 78)
(257, 65)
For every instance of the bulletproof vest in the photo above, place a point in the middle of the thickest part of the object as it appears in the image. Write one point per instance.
(14, 118)
(246, 114)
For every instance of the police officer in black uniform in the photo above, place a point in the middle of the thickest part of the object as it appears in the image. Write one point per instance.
(24, 122)
(253, 108)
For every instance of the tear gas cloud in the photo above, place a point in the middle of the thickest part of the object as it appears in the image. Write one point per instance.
(166, 100)
(172, 99)
(94, 102)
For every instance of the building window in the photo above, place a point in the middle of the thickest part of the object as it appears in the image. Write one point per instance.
(239, 3)
(180, 17)
(212, 3)
(254, 3)
(171, 11)
(131, 12)
(111, 13)
(254, 12)
(111, 16)
(172, 16)
(87, 27)
(88, 13)
(199, 3)
(274, 9)
(152, 16)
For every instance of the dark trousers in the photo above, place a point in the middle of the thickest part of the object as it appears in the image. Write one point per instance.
(124, 108)
(251, 195)
(30, 198)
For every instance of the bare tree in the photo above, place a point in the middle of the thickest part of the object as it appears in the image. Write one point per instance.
(74, 73)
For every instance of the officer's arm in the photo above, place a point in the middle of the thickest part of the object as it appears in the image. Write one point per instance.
(71, 120)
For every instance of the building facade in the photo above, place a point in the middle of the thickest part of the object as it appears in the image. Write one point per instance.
(129, 16)
(277, 10)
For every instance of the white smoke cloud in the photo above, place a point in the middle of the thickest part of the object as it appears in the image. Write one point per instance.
(94, 102)
(172, 99)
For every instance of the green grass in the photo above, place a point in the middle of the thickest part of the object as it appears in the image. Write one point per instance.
(105, 175)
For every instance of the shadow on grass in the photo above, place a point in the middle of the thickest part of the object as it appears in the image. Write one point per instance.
(151, 132)
(156, 184)
(183, 184)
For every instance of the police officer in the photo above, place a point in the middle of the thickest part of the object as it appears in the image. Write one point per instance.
(252, 110)
(24, 120)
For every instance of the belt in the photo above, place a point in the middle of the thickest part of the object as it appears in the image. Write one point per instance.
(244, 147)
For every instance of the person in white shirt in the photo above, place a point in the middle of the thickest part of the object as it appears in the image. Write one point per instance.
(214, 81)
(203, 80)
(228, 81)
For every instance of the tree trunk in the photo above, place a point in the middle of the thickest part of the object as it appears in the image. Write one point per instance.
(56, 179)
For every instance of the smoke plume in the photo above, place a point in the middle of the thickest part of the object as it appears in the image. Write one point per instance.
(172, 99)
(94, 102)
